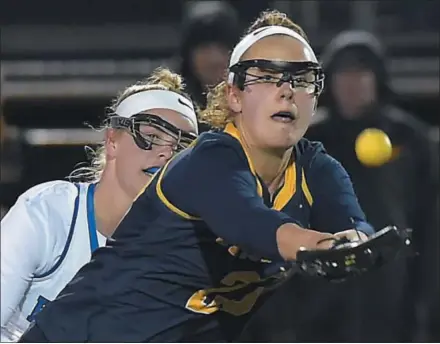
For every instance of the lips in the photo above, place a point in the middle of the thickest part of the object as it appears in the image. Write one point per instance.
(151, 170)
(284, 116)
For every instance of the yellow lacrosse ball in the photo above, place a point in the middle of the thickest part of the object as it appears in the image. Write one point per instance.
(373, 147)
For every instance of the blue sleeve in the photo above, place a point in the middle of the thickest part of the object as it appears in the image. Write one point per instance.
(335, 206)
(215, 184)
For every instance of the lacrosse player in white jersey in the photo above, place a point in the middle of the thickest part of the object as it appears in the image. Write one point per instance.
(54, 227)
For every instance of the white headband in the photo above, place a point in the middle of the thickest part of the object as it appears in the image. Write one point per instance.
(157, 99)
(258, 34)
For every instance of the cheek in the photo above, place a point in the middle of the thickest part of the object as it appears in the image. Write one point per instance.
(306, 106)
(254, 114)
(368, 84)
(129, 156)
(342, 85)
(255, 102)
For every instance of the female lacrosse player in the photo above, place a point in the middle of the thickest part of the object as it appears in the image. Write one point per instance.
(221, 223)
(54, 227)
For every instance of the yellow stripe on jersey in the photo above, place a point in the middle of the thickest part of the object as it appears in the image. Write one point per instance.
(232, 130)
(146, 186)
(288, 189)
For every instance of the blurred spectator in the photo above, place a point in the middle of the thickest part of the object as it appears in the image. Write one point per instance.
(401, 192)
(210, 31)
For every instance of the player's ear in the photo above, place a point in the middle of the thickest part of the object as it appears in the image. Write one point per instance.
(111, 143)
(233, 95)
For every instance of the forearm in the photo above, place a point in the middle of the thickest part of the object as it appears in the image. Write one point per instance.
(254, 230)
(226, 199)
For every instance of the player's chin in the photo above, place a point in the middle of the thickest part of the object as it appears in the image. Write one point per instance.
(142, 179)
(282, 144)
(287, 140)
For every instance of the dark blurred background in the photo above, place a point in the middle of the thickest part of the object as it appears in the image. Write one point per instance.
(63, 61)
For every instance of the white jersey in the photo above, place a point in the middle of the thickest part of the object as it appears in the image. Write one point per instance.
(46, 237)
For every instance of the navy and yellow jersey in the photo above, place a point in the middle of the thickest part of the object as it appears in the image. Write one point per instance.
(197, 252)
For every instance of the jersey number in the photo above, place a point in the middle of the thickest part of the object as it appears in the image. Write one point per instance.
(41, 303)
(240, 293)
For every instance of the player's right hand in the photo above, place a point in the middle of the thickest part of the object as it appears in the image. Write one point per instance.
(292, 238)
(324, 241)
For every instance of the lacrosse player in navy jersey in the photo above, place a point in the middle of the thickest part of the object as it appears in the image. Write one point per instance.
(220, 225)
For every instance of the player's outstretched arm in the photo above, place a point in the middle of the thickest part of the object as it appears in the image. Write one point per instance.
(335, 206)
(23, 243)
(214, 183)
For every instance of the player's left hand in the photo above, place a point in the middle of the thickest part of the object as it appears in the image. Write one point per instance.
(352, 235)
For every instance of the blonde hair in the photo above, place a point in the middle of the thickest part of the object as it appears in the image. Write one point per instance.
(217, 113)
(160, 79)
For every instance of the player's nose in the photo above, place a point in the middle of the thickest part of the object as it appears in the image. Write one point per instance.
(286, 91)
(165, 153)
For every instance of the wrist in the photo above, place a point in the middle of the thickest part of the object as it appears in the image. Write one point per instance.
(291, 238)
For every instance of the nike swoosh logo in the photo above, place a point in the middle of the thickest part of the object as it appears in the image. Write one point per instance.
(184, 103)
